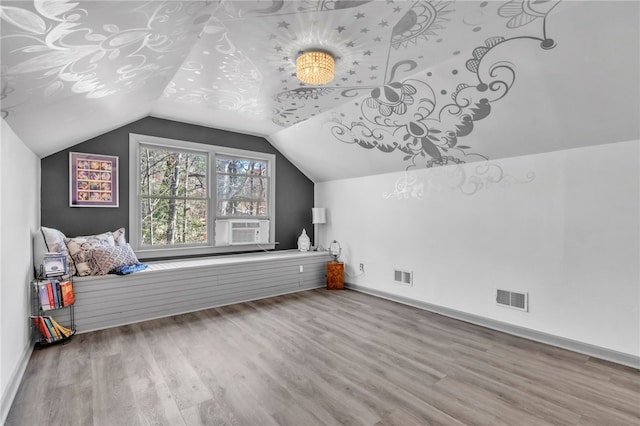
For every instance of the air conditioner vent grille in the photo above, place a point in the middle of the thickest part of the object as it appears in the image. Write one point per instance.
(403, 277)
(512, 299)
(240, 236)
(244, 225)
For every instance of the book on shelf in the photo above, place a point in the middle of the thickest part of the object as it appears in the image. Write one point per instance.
(54, 291)
(54, 294)
(47, 331)
(57, 333)
(64, 331)
(66, 288)
(50, 329)
(59, 293)
(39, 323)
(52, 334)
(43, 296)
(52, 304)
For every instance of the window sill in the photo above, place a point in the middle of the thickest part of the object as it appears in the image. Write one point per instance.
(173, 252)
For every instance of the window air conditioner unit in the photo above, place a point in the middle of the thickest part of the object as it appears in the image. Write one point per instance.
(241, 231)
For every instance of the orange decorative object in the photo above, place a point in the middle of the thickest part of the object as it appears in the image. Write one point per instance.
(335, 275)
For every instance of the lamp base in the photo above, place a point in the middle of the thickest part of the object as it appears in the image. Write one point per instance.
(316, 238)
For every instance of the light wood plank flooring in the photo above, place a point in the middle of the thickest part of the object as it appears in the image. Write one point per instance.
(319, 358)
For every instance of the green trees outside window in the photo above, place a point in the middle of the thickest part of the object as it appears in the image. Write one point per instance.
(175, 196)
(242, 187)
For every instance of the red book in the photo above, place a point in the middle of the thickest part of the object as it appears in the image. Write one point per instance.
(43, 329)
(52, 302)
(66, 288)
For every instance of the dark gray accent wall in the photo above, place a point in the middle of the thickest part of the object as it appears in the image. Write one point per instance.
(294, 191)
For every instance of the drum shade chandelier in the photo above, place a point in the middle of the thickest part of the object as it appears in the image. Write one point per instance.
(315, 67)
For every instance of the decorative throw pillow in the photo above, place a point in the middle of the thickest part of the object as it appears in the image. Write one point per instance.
(106, 259)
(55, 241)
(81, 250)
(106, 237)
(119, 237)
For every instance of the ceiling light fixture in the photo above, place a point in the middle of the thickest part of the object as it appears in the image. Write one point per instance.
(315, 67)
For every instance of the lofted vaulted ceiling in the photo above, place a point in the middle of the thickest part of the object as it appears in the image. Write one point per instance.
(418, 83)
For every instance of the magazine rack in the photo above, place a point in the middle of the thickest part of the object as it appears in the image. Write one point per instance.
(43, 319)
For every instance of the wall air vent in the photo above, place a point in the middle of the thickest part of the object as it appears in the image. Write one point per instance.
(403, 277)
(512, 299)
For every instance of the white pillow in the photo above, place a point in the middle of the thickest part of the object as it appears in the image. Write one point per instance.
(39, 249)
(55, 242)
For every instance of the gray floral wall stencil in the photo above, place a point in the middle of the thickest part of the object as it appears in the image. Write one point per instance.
(411, 116)
(485, 175)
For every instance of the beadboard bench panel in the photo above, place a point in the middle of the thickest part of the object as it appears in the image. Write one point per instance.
(178, 286)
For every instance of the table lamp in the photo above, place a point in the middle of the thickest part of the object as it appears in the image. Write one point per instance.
(318, 217)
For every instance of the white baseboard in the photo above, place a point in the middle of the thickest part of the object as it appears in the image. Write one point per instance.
(538, 336)
(14, 383)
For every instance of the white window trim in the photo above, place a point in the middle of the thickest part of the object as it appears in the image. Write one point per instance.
(135, 235)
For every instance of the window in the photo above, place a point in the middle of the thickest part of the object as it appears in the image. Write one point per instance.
(242, 187)
(173, 196)
(173, 209)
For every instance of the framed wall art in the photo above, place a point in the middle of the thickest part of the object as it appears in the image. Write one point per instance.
(93, 180)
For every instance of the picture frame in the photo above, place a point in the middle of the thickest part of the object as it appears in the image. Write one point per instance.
(93, 180)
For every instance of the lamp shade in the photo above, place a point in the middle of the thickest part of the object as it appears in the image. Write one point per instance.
(318, 215)
(315, 67)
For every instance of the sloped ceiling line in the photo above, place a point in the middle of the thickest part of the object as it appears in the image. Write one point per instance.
(408, 115)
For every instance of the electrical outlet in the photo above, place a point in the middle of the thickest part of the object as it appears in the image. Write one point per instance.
(362, 267)
(301, 268)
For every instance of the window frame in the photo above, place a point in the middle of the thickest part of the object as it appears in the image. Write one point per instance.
(213, 151)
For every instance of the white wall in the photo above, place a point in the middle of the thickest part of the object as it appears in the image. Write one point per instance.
(19, 217)
(569, 237)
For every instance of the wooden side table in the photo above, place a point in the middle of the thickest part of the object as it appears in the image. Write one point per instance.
(335, 275)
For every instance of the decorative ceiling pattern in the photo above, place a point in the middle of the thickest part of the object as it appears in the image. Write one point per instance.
(426, 124)
(418, 83)
(91, 50)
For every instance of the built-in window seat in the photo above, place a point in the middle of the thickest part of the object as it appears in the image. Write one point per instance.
(173, 287)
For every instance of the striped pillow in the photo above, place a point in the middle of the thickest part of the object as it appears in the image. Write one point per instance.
(106, 259)
(81, 251)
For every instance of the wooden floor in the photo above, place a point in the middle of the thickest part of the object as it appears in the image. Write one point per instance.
(319, 357)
